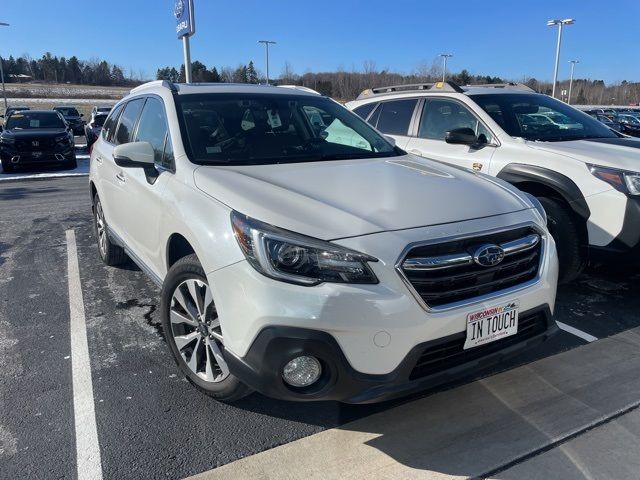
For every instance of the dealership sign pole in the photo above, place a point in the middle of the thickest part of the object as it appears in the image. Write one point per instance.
(185, 27)
(4, 92)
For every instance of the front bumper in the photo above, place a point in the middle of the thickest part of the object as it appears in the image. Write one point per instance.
(626, 244)
(427, 365)
(19, 158)
(365, 332)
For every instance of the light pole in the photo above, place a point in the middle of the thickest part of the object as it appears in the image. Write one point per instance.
(444, 64)
(573, 65)
(560, 24)
(266, 45)
(4, 92)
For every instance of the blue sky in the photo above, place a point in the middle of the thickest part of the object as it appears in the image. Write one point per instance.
(504, 38)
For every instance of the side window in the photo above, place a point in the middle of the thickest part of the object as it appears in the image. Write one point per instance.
(110, 125)
(152, 127)
(167, 158)
(395, 116)
(128, 121)
(440, 116)
(364, 110)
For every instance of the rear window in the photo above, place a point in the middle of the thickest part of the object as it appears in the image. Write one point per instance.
(364, 110)
(98, 120)
(395, 116)
(68, 112)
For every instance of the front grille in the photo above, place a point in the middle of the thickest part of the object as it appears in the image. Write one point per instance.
(27, 145)
(445, 273)
(451, 354)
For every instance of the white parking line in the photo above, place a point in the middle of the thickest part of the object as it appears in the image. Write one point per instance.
(87, 447)
(578, 333)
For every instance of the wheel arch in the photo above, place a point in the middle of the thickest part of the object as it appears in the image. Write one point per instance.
(543, 182)
(539, 180)
(177, 247)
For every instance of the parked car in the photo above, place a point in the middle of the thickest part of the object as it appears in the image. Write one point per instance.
(606, 121)
(307, 268)
(105, 109)
(73, 118)
(93, 128)
(630, 124)
(587, 176)
(10, 110)
(36, 137)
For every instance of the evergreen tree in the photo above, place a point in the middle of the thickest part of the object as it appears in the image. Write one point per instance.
(252, 75)
(215, 76)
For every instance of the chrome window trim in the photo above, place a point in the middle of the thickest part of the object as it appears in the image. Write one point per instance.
(482, 298)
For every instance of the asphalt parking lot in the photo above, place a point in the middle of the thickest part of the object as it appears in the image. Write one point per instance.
(150, 422)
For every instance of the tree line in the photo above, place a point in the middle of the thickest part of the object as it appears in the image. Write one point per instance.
(53, 69)
(347, 84)
(341, 84)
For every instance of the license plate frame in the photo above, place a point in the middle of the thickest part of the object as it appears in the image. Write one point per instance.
(492, 324)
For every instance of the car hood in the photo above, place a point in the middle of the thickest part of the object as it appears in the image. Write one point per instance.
(622, 153)
(337, 199)
(35, 133)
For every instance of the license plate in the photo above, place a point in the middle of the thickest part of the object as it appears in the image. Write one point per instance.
(36, 154)
(491, 324)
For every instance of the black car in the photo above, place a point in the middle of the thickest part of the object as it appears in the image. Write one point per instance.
(36, 137)
(73, 118)
(94, 127)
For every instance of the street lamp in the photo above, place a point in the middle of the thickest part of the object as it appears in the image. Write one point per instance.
(560, 24)
(573, 65)
(4, 92)
(266, 45)
(444, 64)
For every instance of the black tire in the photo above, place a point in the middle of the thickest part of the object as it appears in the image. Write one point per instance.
(564, 227)
(110, 253)
(228, 388)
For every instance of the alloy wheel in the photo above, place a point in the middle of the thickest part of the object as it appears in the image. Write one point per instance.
(196, 331)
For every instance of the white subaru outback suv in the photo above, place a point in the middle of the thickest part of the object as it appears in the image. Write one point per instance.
(586, 176)
(306, 266)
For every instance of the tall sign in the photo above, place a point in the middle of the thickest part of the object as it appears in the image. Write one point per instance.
(185, 24)
(185, 27)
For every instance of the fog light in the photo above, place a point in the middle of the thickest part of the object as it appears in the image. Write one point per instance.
(302, 371)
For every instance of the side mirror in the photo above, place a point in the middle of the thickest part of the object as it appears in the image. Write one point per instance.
(461, 136)
(391, 140)
(134, 155)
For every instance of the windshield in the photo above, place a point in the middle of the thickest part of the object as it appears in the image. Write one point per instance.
(224, 129)
(68, 112)
(540, 118)
(28, 120)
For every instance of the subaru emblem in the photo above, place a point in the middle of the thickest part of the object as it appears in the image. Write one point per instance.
(488, 255)
(179, 8)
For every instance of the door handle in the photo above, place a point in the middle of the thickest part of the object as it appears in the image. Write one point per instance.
(120, 176)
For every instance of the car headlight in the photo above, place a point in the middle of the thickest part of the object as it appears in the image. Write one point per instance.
(621, 180)
(295, 258)
(538, 206)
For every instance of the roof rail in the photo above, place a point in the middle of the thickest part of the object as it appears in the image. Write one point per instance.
(155, 83)
(439, 86)
(509, 85)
